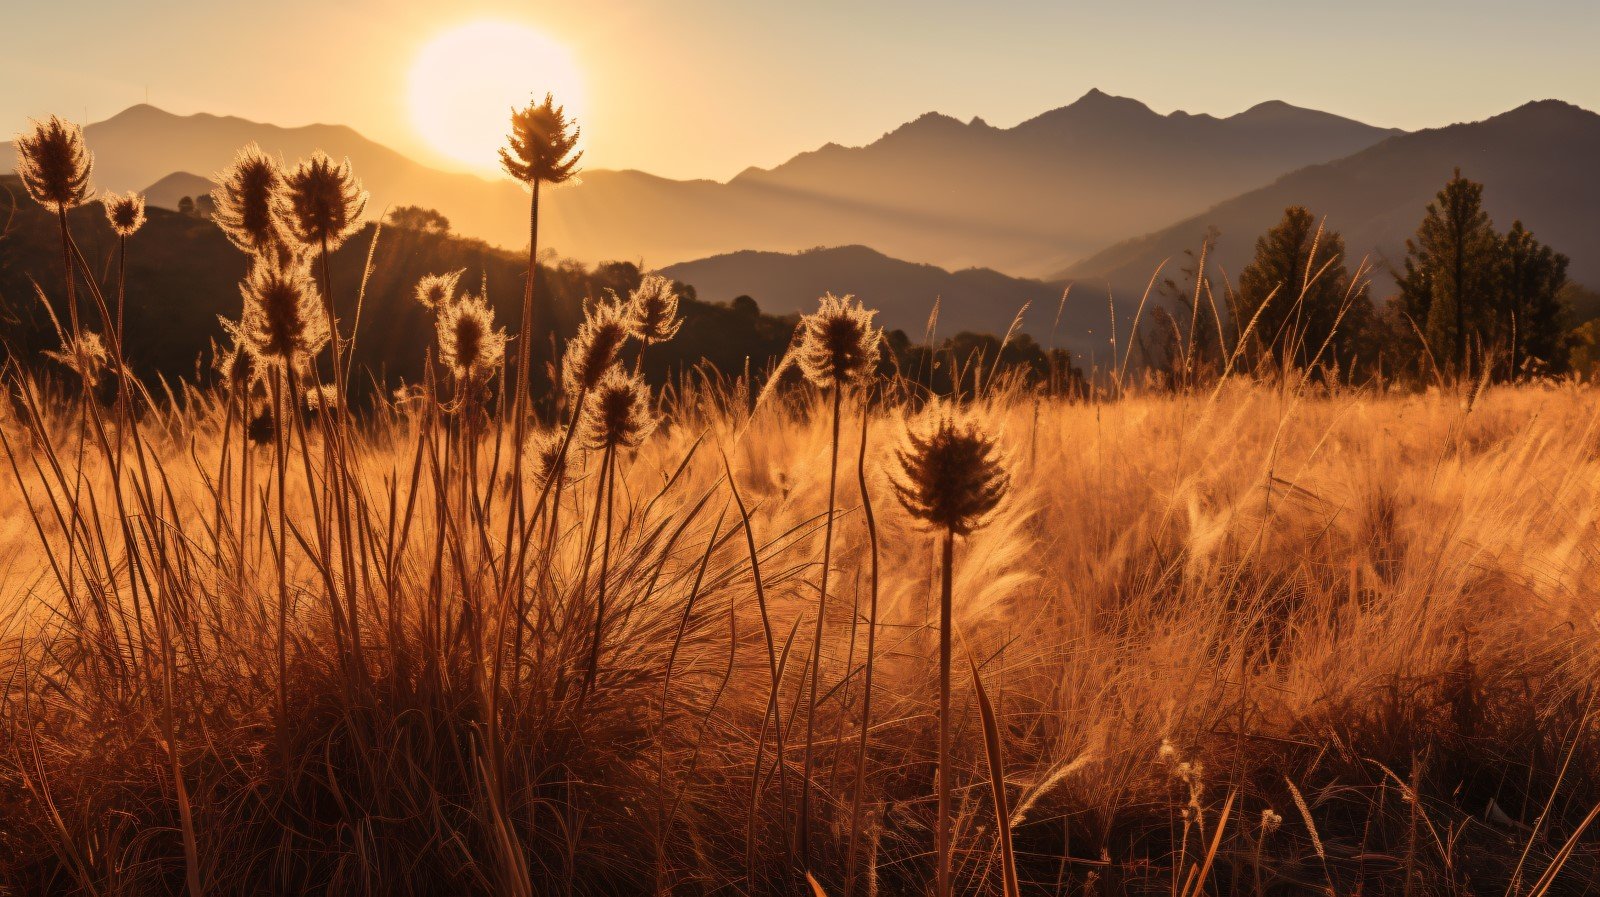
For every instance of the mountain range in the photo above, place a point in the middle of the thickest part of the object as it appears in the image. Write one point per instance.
(1026, 200)
(984, 219)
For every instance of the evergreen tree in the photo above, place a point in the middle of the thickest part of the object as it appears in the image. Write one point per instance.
(1531, 278)
(1450, 274)
(1299, 292)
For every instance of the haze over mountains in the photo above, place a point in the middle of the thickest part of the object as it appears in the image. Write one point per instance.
(1098, 192)
(1025, 200)
(1537, 164)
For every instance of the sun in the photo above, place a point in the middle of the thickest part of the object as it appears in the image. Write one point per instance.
(465, 82)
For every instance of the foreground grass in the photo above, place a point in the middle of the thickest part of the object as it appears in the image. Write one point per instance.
(1348, 642)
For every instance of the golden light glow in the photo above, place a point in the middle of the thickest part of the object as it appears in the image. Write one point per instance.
(464, 83)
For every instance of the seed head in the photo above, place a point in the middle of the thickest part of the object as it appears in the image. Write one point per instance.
(469, 344)
(543, 451)
(323, 202)
(542, 144)
(652, 311)
(593, 350)
(617, 412)
(283, 315)
(84, 355)
(438, 291)
(235, 364)
(952, 474)
(1270, 820)
(247, 198)
(125, 213)
(55, 165)
(838, 344)
(322, 397)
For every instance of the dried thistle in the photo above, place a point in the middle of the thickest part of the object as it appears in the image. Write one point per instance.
(542, 144)
(652, 310)
(469, 344)
(124, 212)
(617, 413)
(54, 164)
(838, 344)
(236, 365)
(438, 291)
(952, 474)
(544, 456)
(323, 202)
(247, 197)
(85, 355)
(322, 397)
(594, 348)
(283, 316)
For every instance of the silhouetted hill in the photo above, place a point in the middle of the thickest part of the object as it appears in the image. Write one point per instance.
(183, 274)
(167, 192)
(1537, 163)
(1027, 199)
(975, 299)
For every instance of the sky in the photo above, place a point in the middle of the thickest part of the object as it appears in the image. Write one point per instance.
(705, 88)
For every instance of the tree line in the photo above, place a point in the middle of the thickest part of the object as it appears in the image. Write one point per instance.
(1470, 302)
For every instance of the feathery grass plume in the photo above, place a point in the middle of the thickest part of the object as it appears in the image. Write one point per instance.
(85, 355)
(54, 164)
(283, 320)
(438, 291)
(543, 144)
(469, 344)
(617, 414)
(838, 344)
(951, 478)
(652, 310)
(248, 197)
(952, 473)
(592, 351)
(323, 202)
(125, 212)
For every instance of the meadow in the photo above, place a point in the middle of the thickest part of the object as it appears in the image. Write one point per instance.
(1260, 635)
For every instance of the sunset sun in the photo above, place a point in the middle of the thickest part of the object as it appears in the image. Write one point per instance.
(465, 81)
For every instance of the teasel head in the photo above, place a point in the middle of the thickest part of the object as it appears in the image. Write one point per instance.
(543, 144)
(54, 164)
(247, 198)
(469, 344)
(952, 475)
(283, 316)
(85, 355)
(592, 351)
(544, 457)
(322, 397)
(438, 291)
(838, 344)
(323, 202)
(652, 310)
(235, 365)
(124, 212)
(617, 414)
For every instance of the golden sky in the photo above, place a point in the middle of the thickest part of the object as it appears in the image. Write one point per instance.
(703, 88)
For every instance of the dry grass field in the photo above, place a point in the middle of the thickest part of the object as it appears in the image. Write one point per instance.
(1256, 640)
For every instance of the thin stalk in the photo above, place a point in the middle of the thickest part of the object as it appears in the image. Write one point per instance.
(816, 640)
(942, 838)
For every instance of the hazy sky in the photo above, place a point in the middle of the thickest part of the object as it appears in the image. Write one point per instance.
(703, 88)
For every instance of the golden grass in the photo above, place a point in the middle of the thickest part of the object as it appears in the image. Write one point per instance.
(1379, 607)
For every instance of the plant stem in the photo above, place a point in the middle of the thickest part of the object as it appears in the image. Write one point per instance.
(816, 641)
(942, 844)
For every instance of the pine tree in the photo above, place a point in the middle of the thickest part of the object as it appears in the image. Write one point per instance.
(1299, 292)
(1531, 277)
(1449, 281)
